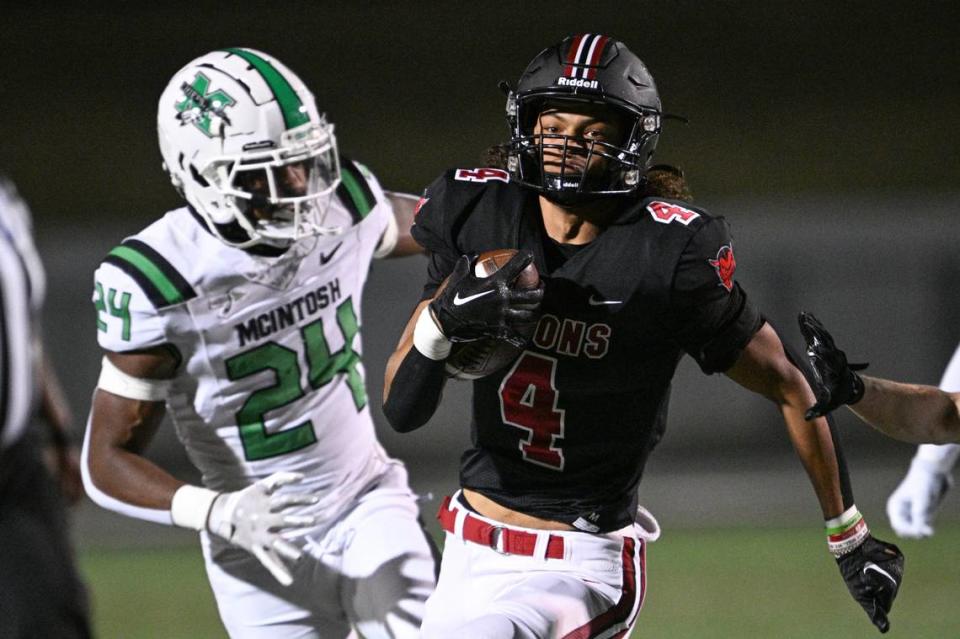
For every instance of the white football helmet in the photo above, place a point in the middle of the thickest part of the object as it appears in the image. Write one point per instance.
(243, 142)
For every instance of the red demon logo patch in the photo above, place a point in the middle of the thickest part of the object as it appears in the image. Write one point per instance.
(725, 265)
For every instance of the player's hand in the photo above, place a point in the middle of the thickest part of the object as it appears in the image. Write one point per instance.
(873, 572)
(912, 507)
(252, 518)
(472, 308)
(835, 381)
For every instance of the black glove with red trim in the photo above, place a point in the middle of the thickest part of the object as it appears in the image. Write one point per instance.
(472, 307)
(835, 381)
(873, 572)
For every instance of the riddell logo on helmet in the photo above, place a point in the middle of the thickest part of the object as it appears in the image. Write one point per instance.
(577, 82)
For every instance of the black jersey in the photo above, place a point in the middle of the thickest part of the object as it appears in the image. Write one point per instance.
(564, 432)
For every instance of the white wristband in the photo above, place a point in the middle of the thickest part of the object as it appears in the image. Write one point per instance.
(113, 380)
(846, 532)
(191, 505)
(429, 339)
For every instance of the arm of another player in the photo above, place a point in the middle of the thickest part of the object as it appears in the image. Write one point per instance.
(912, 506)
(396, 240)
(908, 412)
(872, 569)
(128, 407)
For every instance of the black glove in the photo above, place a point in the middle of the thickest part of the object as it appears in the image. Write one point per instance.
(873, 572)
(472, 308)
(835, 381)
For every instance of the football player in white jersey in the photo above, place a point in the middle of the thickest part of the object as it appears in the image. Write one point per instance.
(908, 412)
(239, 315)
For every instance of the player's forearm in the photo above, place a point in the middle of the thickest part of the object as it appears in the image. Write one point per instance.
(909, 412)
(814, 445)
(415, 392)
(766, 368)
(131, 478)
(414, 381)
(404, 207)
(115, 473)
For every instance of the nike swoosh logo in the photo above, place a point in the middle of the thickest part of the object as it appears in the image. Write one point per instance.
(460, 301)
(599, 301)
(874, 567)
(326, 257)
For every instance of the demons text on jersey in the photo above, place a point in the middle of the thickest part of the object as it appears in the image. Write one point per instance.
(566, 336)
(289, 314)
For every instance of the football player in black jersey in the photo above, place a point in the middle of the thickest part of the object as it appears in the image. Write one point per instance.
(546, 538)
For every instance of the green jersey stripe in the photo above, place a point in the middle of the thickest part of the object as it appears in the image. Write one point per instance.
(162, 284)
(172, 274)
(293, 109)
(145, 283)
(354, 191)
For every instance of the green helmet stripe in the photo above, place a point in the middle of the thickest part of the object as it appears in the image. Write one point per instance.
(292, 107)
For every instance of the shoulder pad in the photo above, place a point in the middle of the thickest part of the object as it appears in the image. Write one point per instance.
(450, 199)
(157, 278)
(126, 318)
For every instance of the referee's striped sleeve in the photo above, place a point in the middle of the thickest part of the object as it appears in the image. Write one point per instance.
(16, 341)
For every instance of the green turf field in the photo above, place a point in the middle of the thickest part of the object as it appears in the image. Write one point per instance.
(709, 583)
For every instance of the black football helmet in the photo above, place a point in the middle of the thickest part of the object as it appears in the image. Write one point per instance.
(593, 69)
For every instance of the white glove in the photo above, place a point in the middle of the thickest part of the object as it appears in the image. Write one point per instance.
(249, 518)
(912, 507)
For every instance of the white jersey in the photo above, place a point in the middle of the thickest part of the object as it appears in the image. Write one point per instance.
(271, 376)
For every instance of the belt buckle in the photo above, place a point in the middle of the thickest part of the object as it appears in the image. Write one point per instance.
(496, 536)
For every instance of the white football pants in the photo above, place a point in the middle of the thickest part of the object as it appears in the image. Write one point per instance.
(595, 590)
(371, 571)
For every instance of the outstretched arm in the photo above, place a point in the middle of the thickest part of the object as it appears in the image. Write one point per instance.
(908, 412)
(764, 368)
(872, 569)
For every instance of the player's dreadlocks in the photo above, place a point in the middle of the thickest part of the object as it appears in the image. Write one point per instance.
(663, 180)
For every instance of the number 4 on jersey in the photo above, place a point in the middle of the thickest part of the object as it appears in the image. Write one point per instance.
(528, 400)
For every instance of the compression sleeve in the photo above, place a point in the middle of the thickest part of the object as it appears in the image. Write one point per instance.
(415, 392)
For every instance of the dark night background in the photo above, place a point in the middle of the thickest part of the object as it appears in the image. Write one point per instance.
(827, 133)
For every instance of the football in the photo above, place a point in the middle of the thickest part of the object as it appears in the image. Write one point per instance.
(473, 360)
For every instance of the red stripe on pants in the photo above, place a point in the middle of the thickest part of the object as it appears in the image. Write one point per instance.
(620, 612)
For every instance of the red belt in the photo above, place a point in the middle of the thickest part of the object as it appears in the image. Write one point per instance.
(504, 540)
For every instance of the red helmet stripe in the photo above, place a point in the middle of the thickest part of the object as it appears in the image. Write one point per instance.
(596, 52)
(573, 55)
